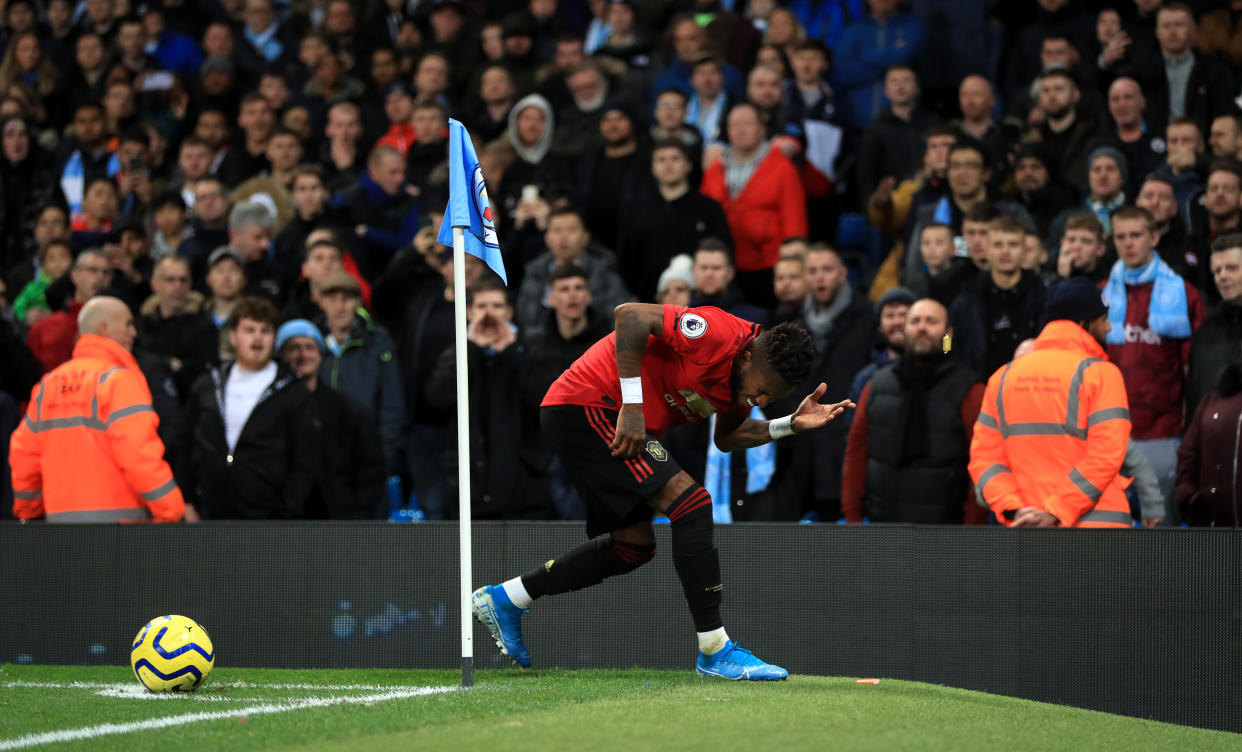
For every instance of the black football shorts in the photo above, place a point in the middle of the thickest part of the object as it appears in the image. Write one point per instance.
(615, 492)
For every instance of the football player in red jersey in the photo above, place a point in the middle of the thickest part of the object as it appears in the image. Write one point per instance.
(664, 366)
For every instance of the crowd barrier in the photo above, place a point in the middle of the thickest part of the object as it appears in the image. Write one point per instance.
(1145, 623)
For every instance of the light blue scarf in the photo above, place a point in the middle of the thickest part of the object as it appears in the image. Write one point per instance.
(267, 43)
(760, 466)
(1167, 313)
(707, 121)
(73, 179)
(1104, 211)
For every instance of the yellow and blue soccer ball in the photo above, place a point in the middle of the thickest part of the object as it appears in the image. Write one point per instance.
(172, 654)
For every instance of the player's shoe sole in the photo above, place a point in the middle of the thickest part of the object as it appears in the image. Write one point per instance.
(738, 664)
(493, 609)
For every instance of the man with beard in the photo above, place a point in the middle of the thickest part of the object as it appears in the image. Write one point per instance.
(842, 326)
(1063, 131)
(909, 446)
(1035, 188)
(892, 308)
(1221, 198)
(612, 176)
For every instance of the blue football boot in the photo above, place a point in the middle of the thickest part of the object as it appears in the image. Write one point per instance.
(494, 610)
(739, 664)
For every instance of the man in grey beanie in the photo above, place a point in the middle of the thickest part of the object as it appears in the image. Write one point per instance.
(1107, 173)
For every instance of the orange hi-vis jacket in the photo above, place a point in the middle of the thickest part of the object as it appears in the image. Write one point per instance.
(87, 450)
(1053, 432)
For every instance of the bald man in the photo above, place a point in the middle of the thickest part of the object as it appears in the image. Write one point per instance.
(976, 100)
(88, 450)
(1143, 148)
(108, 317)
(909, 446)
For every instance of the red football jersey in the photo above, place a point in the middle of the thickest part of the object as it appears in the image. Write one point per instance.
(685, 370)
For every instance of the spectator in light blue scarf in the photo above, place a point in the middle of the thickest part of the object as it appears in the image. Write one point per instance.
(1107, 172)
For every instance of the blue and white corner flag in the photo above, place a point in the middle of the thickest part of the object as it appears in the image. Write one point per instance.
(468, 206)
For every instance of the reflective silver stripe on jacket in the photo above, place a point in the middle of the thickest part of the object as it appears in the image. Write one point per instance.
(159, 492)
(1104, 515)
(1070, 426)
(101, 515)
(986, 478)
(91, 421)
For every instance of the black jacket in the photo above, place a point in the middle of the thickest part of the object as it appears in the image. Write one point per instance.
(969, 318)
(426, 330)
(607, 190)
(349, 466)
(290, 243)
(655, 230)
(508, 460)
(892, 147)
(364, 368)
(1213, 346)
(549, 354)
(929, 487)
(390, 220)
(1209, 91)
(191, 338)
(270, 472)
(809, 465)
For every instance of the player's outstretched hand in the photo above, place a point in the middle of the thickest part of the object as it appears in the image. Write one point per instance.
(631, 432)
(811, 414)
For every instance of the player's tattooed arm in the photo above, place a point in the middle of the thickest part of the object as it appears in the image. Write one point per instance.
(636, 322)
(735, 431)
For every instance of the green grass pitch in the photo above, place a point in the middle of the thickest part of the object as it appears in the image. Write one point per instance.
(103, 708)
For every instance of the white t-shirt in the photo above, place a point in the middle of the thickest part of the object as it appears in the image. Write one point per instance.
(241, 394)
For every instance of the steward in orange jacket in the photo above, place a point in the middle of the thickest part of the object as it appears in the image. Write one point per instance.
(1053, 430)
(87, 450)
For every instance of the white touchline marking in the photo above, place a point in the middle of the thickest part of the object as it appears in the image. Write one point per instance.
(237, 684)
(138, 692)
(106, 729)
(58, 685)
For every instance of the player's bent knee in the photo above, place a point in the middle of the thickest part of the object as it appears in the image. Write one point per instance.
(670, 492)
(692, 503)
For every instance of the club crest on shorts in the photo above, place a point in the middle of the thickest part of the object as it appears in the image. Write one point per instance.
(693, 325)
(657, 452)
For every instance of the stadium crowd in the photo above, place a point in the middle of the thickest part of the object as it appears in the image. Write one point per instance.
(260, 183)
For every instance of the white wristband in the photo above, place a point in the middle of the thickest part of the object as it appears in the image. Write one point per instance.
(781, 427)
(632, 390)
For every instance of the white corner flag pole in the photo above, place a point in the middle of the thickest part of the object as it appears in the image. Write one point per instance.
(463, 454)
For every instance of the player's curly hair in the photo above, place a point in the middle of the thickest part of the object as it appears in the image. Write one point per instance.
(788, 350)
